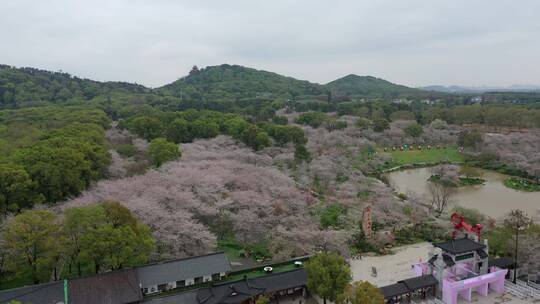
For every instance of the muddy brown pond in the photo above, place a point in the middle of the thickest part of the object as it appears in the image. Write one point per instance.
(493, 198)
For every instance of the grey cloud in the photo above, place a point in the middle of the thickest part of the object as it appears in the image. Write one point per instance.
(414, 42)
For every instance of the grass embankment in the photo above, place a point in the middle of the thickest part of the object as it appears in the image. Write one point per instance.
(521, 184)
(234, 249)
(463, 181)
(411, 157)
(471, 181)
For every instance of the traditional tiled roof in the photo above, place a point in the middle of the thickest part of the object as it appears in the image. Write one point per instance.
(446, 258)
(183, 269)
(481, 253)
(48, 293)
(420, 282)
(503, 263)
(394, 290)
(459, 246)
(238, 291)
(106, 288)
(407, 286)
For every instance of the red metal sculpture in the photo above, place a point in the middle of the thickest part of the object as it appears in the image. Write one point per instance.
(459, 224)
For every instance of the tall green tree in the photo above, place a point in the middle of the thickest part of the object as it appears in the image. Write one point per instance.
(147, 127)
(78, 224)
(161, 151)
(328, 275)
(34, 239)
(363, 123)
(235, 126)
(517, 221)
(178, 131)
(301, 154)
(58, 172)
(17, 190)
(470, 139)
(262, 300)
(117, 215)
(204, 128)
(108, 236)
(414, 130)
(380, 124)
(361, 292)
(255, 138)
(313, 119)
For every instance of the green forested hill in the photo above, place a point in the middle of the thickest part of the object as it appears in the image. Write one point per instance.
(214, 87)
(227, 88)
(23, 87)
(234, 82)
(369, 86)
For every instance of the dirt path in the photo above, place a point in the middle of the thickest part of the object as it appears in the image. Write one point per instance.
(390, 268)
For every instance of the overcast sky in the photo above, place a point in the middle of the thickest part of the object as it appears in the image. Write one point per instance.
(153, 42)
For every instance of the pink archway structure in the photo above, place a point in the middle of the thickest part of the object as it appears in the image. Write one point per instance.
(452, 287)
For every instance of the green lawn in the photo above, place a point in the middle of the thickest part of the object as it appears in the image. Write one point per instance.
(407, 157)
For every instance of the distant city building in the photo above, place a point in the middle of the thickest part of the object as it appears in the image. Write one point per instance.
(402, 101)
(427, 101)
(476, 99)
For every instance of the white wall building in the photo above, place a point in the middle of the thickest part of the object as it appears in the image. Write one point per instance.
(183, 272)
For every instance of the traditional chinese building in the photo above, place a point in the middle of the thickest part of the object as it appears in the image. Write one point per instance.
(456, 268)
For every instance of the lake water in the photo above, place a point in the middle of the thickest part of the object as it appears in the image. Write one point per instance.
(493, 198)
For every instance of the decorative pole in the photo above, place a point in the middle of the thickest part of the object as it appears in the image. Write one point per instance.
(66, 292)
(366, 222)
(516, 256)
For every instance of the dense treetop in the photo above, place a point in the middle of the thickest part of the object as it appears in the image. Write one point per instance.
(50, 153)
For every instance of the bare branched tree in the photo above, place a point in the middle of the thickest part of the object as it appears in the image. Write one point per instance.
(517, 221)
(443, 188)
(441, 195)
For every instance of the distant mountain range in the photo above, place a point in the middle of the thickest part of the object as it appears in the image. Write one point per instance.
(481, 89)
(22, 87)
(241, 82)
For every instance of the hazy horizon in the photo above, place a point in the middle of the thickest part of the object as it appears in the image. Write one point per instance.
(414, 43)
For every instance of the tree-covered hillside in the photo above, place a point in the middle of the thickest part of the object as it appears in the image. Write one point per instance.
(49, 153)
(227, 88)
(373, 87)
(235, 82)
(24, 87)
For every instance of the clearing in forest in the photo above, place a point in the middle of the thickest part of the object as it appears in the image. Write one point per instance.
(406, 157)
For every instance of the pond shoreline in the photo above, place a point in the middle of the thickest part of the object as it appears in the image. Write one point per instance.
(492, 198)
(471, 164)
